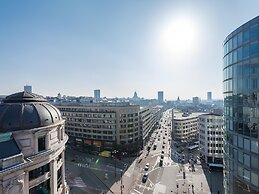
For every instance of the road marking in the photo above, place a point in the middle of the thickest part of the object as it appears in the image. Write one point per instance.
(78, 182)
(137, 191)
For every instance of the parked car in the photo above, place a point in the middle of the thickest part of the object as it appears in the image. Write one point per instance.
(144, 178)
(146, 167)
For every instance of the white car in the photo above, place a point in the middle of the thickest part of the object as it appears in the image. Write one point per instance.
(146, 167)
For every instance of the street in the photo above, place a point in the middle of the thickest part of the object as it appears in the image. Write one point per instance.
(167, 172)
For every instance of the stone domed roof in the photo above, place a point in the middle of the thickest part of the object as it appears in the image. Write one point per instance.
(22, 111)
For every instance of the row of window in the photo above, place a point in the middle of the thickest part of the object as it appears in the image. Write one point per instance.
(215, 151)
(215, 132)
(90, 136)
(219, 145)
(91, 125)
(89, 131)
(241, 53)
(100, 115)
(91, 120)
(241, 38)
(215, 138)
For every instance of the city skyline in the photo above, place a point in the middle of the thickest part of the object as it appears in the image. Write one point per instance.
(119, 47)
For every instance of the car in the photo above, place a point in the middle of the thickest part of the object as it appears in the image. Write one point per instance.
(162, 156)
(165, 133)
(163, 146)
(146, 167)
(158, 139)
(144, 178)
(163, 142)
(161, 162)
(163, 137)
(162, 152)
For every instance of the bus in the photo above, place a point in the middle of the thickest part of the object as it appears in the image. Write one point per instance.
(193, 147)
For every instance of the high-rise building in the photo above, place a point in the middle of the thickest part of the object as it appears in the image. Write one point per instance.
(241, 107)
(27, 89)
(196, 100)
(209, 96)
(97, 94)
(160, 96)
(32, 146)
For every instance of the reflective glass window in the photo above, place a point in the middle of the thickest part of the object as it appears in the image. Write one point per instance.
(230, 44)
(239, 54)
(240, 142)
(254, 48)
(246, 52)
(254, 31)
(246, 36)
(254, 162)
(254, 146)
(254, 179)
(234, 56)
(230, 58)
(247, 160)
(240, 171)
(240, 157)
(247, 175)
(234, 42)
(239, 39)
(247, 144)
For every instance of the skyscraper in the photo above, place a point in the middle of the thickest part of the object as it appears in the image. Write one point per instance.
(241, 101)
(209, 96)
(160, 96)
(28, 89)
(97, 94)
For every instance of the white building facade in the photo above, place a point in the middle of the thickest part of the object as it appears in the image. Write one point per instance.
(185, 127)
(32, 146)
(211, 139)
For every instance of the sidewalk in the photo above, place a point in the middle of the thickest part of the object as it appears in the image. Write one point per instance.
(128, 180)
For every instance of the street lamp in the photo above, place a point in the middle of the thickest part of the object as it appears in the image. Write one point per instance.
(121, 182)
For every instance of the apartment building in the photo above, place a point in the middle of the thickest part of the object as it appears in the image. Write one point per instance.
(185, 127)
(103, 126)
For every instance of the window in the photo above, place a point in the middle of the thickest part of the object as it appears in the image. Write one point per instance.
(254, 146)
(254, 48)
(59, 177)
(41, 144)
(41, 188)
(246, 36)
(33, 174)
(247, 160)
(245, 52)
(254, 179)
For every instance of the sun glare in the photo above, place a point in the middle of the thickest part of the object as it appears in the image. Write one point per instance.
(179, 37)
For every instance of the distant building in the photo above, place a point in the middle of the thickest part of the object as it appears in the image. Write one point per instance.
(209, 96)
(160, 97)
(27, 89)
(103, 126)
(97, 94)
(196, 100)
(32, 146)
(211, 139)
(149, 116)
(185, 127)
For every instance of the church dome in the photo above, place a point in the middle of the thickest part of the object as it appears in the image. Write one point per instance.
(22, 111)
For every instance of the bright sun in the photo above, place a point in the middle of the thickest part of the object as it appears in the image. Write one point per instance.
(179, 37)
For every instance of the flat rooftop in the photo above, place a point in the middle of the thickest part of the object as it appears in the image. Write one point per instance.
(184, 116)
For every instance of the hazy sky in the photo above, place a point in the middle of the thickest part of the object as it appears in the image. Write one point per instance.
(118, 46)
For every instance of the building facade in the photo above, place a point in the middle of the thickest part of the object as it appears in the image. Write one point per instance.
(149, 117)
(103, 126)
(211, 139)
(185, 127)
(209, 96)
(160, 97)
(241, 109)
(32, 146)
(97, 94)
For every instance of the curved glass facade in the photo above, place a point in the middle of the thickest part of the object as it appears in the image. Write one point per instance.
(241, 109)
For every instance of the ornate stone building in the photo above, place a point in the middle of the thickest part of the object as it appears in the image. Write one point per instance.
(32, 145)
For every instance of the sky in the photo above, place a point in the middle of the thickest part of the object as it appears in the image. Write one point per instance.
(117, 46)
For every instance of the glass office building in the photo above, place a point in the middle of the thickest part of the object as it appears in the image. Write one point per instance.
(241, 109)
